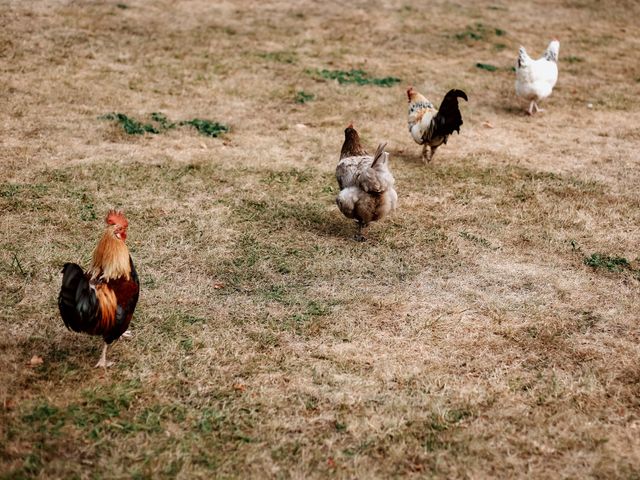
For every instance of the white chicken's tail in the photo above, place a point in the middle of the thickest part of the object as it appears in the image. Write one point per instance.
(552, 51)
(523, 57)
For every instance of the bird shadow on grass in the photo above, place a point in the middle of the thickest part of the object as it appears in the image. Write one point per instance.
(405, 155)
(512, 109)
(323, 223)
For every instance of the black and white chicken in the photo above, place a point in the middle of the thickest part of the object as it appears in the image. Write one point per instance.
(429, 126)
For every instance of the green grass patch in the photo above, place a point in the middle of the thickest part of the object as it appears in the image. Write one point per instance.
(131, 126)
(479, 32)
(486, 66)
(207, 127)
(358, 77)
(607, 262)
(162, 120)
(304, 97)
(280, 57)
(475, 239)
(160, 124)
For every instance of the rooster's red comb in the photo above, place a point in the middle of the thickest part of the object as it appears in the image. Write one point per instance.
(116, 217)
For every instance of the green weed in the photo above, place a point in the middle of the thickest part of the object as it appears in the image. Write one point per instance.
(280, 57)
(486, 66)
(162, 119)
(162, 124)
(130, 125)
(207, 127)
(607, 262)
(359, 77)
(304, 97)
(475, 239)
(479, 32)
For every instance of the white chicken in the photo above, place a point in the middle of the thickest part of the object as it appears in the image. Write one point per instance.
(366, 184)
(535, 79)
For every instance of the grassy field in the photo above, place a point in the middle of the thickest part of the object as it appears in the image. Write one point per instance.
(488, 329)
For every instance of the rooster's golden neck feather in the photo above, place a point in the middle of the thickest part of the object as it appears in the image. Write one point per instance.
(110, 258)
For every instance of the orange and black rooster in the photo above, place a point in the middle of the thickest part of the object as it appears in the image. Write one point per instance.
(102, 300)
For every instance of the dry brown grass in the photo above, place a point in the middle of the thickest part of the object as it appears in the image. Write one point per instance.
(467, 339)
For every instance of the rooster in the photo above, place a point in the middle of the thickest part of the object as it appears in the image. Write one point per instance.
(101, 301)
(366, 184)
(535, 79)
(429, 126)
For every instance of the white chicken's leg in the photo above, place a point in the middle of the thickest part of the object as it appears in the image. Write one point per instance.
(538, 109)
(103, 358)
(530, 111)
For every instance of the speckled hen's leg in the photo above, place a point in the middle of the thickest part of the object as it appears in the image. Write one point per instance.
(361, 235)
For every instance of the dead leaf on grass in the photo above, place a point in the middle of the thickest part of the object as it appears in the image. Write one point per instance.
(36, 360)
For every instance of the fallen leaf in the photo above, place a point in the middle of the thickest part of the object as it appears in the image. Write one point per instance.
(218, 285)
(36, 360)
(487, 124)
(239, 387)
(331, 462)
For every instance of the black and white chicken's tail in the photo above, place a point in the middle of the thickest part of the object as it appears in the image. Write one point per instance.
(448, 119)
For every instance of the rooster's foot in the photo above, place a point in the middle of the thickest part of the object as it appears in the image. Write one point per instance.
(127, 334)
(358, 237)
(102, 364)
(103, 358)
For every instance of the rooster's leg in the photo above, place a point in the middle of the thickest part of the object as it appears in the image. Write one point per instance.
(360, 236)
(103, 358)
(426, 153)
(127, 334)
(433, 152)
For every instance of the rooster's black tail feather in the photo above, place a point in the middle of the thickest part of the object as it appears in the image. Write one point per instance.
(448, 119)
(77, 300)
